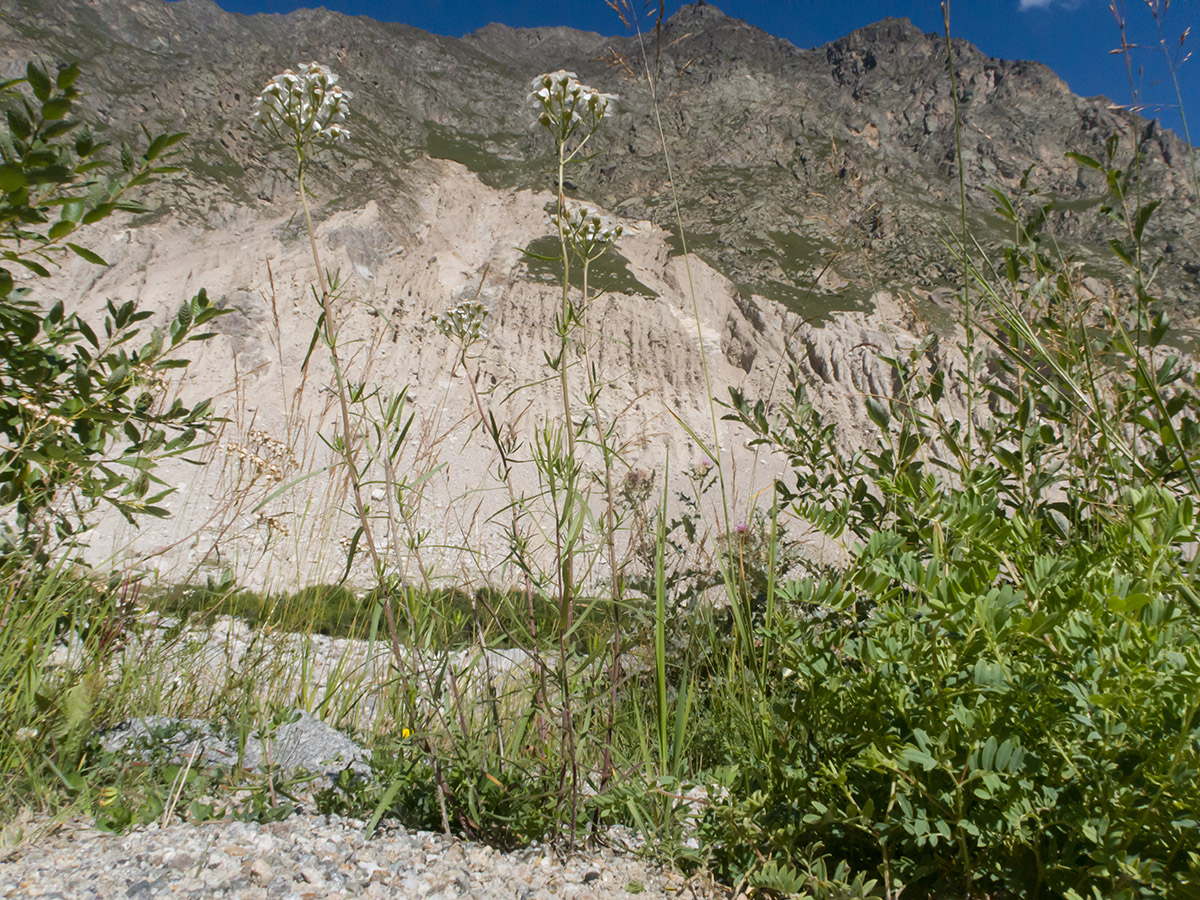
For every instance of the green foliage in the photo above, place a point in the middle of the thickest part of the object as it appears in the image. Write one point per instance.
(506, 808)
(1001, 693)
(49, 711)
(81, 410)
(1007, 718)
(329, 609)
(450, 618)
(151, 780)
(83, 422)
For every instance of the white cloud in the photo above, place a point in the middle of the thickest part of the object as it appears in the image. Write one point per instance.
(1046, 4)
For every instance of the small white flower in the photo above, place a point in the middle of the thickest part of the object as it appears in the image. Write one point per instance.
(305, 109)
(588, 232)
(564, 104)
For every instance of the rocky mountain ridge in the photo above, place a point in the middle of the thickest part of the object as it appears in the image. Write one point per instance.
(786, 158)
(814, 188)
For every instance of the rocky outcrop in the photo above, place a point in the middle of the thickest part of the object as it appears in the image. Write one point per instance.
(785, 158)
(812, 185)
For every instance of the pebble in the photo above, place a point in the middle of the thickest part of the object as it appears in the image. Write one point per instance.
(313, 857)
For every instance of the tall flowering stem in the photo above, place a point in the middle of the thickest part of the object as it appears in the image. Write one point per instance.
(305, 110)
(572, 113)
(589, 237)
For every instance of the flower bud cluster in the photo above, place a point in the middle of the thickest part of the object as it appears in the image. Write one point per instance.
(260, 464)
(271, 446)
(145, 374)
(465, 323)
(40, 412)
(564, 104)
(273, 523)
(308, 107)
(588, 232)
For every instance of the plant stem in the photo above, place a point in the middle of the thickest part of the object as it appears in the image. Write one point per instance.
(348, 435)
(567, 536)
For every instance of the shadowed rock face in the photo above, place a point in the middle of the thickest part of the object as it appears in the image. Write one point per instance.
(788, 160)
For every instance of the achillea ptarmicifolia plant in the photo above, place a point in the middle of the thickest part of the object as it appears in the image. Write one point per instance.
(305, 110)
(566, 105)
(588, 233)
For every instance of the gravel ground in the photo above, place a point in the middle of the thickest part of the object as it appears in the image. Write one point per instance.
(304, 857)
(309, 857)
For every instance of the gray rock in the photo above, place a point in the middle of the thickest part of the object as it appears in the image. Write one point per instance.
(305, 745)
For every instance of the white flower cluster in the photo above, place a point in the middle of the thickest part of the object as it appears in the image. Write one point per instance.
(588, 232)
(308, 107)
(465, 322)
(565, 104)
(146, 375)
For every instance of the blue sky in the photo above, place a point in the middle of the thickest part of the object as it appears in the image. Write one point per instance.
(1073, 37)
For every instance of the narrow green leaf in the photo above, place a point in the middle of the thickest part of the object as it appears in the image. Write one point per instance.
(878, 413)
(86, 330)
(1012, 264)
(1084, 160)
(85, 253)
(987, 757)
(55, 130)
(179, 325)
(101, 211)
(1122, 252)
(383, 805)
(1143, 216)
(72, 210)
(49, 174)
(161, 143)
(32, 266)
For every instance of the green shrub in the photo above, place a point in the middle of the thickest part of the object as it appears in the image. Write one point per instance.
(83, 422)
(81, 413)
(1035, 733)
(1001, 694)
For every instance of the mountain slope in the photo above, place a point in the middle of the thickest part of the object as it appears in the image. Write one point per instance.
(786, 158)
(821, 178)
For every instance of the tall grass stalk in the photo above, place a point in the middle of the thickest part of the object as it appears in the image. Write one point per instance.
(628, 15)
(968, 319)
